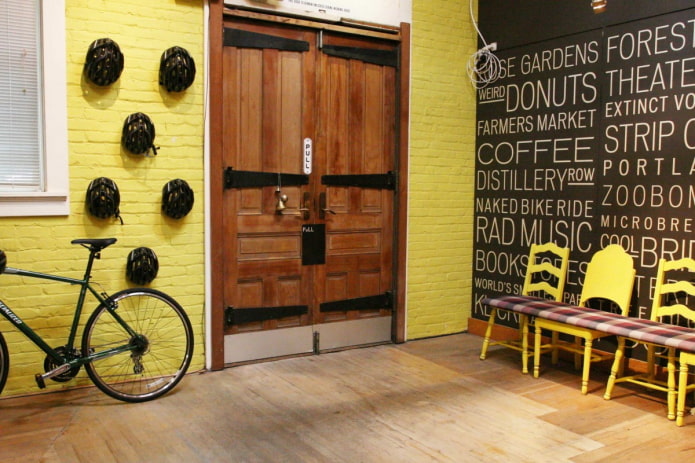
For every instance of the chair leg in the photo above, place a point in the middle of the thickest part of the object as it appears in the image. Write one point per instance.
(682, 390)
(671, 400)
(621, 366)
(554, 340)
(616, 368)
(523, 328)
(537, 352)
(488, 332)
(577, 356)
(651, 362)
(587, 365)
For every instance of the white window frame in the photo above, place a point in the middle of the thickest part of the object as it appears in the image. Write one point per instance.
(55, 200)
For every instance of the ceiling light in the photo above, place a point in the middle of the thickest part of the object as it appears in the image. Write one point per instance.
(599, 6)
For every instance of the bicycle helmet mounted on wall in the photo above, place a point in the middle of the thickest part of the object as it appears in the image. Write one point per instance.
(104, 62)
(176, 69)
(103, 198)
(138, 134)
(142, 266)
(177, 198)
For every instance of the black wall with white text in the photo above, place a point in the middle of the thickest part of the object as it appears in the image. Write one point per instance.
(586, 139)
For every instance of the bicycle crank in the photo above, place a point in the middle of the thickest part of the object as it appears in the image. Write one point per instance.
(58, 372)
(41, 379)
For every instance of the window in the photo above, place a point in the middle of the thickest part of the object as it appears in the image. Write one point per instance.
(33, 109)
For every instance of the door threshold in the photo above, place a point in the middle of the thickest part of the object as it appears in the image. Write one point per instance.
(260, 346)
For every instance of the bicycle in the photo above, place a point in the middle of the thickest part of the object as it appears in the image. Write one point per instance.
(136, 345)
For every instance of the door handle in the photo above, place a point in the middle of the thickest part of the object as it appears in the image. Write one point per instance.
(322, 206)
(305, 210)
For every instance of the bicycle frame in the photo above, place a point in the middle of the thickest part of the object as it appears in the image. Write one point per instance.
(85, 287)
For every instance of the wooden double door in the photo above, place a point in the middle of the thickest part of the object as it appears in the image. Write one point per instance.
(309, 152)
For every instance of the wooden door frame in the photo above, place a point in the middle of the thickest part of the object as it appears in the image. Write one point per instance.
(218, 11)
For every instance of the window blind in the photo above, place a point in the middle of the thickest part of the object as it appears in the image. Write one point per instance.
(21, 128)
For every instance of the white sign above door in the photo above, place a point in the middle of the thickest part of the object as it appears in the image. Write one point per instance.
(387, 12)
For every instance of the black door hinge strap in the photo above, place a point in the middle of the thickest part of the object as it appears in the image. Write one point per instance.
(252, 179)
(387, 181)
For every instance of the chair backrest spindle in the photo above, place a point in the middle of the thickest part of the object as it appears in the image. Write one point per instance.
(546, 259)
(666, 302)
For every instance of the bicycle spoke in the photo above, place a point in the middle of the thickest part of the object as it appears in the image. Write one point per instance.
(154, 360)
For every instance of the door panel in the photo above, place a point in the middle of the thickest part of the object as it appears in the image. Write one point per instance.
(280, 89)
(358, 105)
(264, 124)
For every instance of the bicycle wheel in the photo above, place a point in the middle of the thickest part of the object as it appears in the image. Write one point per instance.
(159, 353)
(4, 362)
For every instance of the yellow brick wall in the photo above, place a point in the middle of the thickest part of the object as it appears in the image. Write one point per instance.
(441, 175)
(442, 145)
(143, 31)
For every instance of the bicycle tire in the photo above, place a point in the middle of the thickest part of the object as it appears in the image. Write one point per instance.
(163, 346)
(4, 362)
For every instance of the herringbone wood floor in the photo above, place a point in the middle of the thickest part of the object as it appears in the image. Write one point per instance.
(426, 400)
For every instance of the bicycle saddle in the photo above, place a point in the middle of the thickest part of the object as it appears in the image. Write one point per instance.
(94, 244)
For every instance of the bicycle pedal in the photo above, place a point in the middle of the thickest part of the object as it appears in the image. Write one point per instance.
(41, 378)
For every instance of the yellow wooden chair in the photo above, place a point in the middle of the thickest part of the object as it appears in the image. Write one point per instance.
(610, 276)
(665, 305)
(686, 360)
(546, 273)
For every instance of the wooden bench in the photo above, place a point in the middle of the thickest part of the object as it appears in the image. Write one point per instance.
(681, 338)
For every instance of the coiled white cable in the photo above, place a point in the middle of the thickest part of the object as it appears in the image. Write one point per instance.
(483, 66)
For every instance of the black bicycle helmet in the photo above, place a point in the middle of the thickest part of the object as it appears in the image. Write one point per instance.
(138, 134)
(104, 62)
(103, 198)
(142, 266)
(176, 69)
(177, 198)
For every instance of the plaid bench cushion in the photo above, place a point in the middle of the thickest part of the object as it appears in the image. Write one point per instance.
(634, 328)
